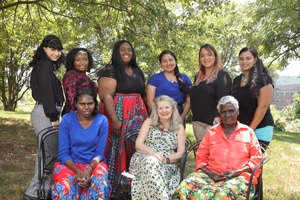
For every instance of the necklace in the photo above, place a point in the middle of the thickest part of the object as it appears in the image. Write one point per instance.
(244, 80)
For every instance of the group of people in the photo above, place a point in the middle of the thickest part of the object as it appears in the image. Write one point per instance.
(228, 118)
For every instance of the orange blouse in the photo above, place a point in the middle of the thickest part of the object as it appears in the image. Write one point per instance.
(220, 154)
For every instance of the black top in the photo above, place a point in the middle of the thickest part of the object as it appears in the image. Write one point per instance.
(46, 88)
(248, 104)
(205, 97)
(134, 83)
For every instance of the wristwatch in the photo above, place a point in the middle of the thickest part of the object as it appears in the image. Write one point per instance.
(215, 122)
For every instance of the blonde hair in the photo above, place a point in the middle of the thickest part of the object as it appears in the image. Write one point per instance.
(217, 66)
(175, 118)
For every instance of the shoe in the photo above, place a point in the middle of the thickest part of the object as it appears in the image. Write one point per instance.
(27, 197)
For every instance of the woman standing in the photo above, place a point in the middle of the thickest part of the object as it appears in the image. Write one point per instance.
(170, 82)
(81, 171)
(254, 90)
(211, 83)
(78, 62)
(47, 92)
(160, 146)
(121, 88)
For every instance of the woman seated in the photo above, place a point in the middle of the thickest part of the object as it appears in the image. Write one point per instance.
(81, 171)
(159, 145)
(224, 160)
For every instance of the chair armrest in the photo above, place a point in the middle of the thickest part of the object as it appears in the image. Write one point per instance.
(267, 155)
(193, 148)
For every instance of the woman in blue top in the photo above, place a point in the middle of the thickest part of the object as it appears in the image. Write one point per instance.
(81, 171)
(170, 82)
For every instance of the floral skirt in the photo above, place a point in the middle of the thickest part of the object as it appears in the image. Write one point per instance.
(131, 112)
(198, 186)
(64, 186)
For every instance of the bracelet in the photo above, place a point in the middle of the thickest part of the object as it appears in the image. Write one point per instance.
(168, 160)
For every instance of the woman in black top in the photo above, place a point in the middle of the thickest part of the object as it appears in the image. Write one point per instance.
(254, 90)
(47, 92)
(211, 83)
(121, 87)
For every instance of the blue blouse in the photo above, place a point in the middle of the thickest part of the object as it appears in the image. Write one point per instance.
(79, 144)
(165, 87)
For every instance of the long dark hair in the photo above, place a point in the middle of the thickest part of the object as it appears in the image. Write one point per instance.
(117, 62)
(51, 41)
(183, 86)
(71, 56)
(89, 92)
(258, 75)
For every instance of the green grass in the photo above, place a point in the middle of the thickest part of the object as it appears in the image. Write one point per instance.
(18, 147)
(281, 174)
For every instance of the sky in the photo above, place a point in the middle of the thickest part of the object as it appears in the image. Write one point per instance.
(293, 69)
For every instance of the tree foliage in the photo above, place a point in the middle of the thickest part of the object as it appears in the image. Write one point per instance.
(151, 26)
(274, 28)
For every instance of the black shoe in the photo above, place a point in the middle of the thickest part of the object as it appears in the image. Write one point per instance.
(27, 197)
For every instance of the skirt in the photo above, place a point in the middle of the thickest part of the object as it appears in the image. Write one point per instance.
(131, 112)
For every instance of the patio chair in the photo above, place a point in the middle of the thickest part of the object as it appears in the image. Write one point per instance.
(45, 162)
(267, 155)
(124, 182)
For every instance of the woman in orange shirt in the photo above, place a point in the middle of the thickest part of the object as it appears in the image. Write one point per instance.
(225, 158)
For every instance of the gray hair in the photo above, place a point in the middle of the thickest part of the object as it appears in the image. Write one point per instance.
(228, 99)
(175, 118)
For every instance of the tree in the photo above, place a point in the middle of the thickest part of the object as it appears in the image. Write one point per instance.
(296, 105)
(150, 25)
(274, 29)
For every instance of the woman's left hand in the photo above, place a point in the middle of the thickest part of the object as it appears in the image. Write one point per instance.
(231, 174)
(86, 179)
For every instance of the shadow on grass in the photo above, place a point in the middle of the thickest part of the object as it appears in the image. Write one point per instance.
(287, 137)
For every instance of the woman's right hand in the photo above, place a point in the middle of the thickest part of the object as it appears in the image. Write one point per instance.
(116, 127)
(159, 157)
(217, 177)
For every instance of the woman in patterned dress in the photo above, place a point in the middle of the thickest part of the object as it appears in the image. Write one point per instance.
(160, 146)
(225, 158)
(78, 62)
(121, 88)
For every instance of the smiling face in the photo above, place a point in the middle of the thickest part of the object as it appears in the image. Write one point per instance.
(85, 105)
(168, 63)
(125, 52)
(52, 54)
(207, 58)
(81, 61)
(164, 110)
(246, 61)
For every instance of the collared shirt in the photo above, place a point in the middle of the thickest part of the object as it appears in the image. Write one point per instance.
(221, 154)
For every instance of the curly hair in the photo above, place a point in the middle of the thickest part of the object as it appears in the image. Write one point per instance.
(228, 99)
(217, 65)
(175, 118)
(183, 86)
(71, 57)
(258, 75)
(51, 41)
(89, 92)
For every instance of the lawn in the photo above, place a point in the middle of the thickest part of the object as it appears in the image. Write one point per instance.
(18, 147)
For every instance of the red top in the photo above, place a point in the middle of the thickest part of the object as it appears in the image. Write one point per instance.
(73, 81)
(220, 154)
